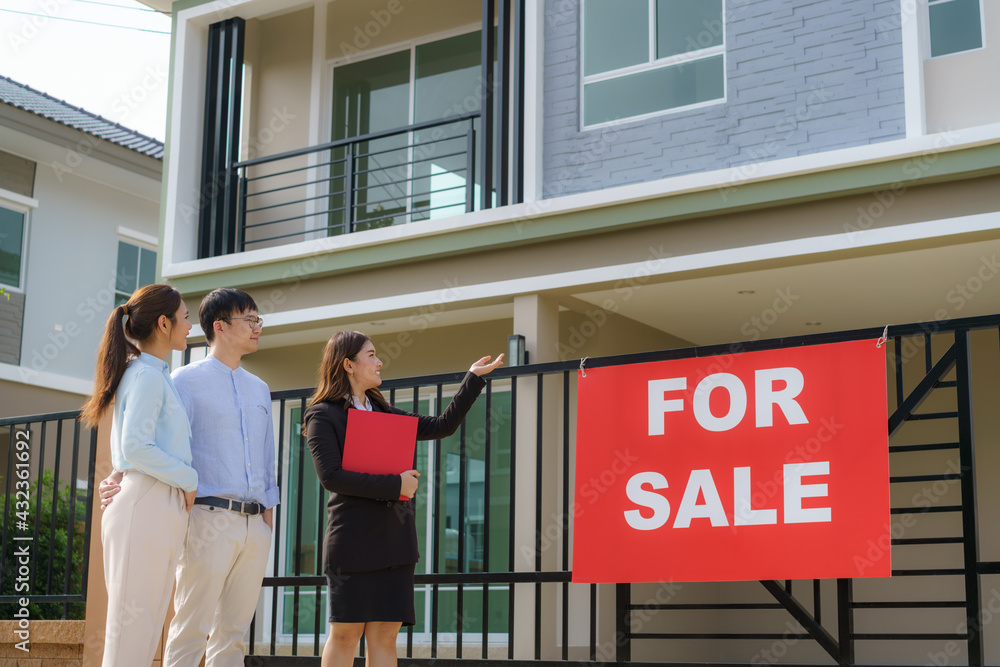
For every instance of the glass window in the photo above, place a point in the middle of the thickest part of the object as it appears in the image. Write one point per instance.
(653, 90)
(11, 246)
(647, 56)
(687, 25)
(955, 25)
(447, 78)
(411, 175)
(136, 268)
(615, 34)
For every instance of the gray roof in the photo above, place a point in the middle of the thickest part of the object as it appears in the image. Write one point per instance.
(27, 98)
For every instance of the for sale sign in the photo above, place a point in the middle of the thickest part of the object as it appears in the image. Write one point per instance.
(761, 465)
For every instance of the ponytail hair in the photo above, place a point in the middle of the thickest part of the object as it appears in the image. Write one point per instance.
(134, 320)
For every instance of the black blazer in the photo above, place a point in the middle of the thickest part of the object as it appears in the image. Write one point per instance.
(367, 528)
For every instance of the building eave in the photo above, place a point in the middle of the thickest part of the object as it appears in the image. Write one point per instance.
(71, 138)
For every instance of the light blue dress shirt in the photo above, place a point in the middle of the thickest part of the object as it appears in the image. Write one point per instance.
(232, 435)
(150, 431)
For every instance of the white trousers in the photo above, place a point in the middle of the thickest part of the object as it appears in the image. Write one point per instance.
(142, 531)
(218, 583)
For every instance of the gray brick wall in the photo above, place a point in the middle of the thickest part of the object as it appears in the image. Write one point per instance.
(802, 76)
(11, 325)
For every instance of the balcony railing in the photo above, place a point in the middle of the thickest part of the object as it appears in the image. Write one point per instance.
(419, 172)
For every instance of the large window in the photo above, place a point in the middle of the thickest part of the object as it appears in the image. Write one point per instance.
(136, 268)
(12, 232)
(955, 25)
(642, 57)
(413, 175)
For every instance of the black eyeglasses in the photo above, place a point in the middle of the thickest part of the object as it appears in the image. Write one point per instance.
(254, 322)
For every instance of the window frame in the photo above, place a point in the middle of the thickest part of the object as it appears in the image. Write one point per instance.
(26, 206)
(326, 105)
(653, 63)
(141, 241)
(927, 4)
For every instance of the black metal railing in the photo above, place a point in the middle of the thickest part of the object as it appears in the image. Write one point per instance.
(495, 515)
(48, 491)
(515, 601)
(412, 173)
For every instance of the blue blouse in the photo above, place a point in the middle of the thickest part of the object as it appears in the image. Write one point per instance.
(150, 430)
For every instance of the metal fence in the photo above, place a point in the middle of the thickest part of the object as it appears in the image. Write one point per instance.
(48, 465)
(495, 519)
(493, 594)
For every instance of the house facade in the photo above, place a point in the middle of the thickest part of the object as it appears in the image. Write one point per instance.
(79, 200)
(598, 177)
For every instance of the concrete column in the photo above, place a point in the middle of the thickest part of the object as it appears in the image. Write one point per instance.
(537, 319)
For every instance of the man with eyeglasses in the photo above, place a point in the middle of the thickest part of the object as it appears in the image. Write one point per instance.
(232, 448)
(229, 528)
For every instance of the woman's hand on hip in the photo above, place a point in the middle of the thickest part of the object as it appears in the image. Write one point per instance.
(408, 487)
(482, 367)
(109, 487)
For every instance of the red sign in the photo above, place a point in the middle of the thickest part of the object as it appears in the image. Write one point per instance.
(761, 465)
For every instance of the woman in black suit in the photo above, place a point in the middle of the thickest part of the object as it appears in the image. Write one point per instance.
(370, 548)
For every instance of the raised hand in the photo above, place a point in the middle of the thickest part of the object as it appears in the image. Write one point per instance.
(483, 366)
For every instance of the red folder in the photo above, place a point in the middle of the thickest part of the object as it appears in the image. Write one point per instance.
(380, 443)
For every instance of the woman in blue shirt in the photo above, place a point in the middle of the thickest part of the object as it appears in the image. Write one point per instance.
(143, 530)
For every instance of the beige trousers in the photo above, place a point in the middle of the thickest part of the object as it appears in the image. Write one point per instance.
(142, 531)
(218, 583)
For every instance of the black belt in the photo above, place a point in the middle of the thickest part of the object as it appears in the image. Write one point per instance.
(232, 505)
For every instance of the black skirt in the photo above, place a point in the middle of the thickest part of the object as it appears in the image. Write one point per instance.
(380, 595)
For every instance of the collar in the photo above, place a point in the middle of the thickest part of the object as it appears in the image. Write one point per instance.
(153, 361)
(218, 365)
(357, 404)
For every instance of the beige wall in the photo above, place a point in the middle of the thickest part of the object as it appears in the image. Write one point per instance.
(18, 400)
(279, 54)
(960, 89)
(355, 26)
(451, 349)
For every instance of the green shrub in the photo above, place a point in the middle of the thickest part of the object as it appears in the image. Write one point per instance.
(50, 544)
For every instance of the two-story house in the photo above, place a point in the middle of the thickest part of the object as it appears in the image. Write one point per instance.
(598, 176)
(79, 206)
